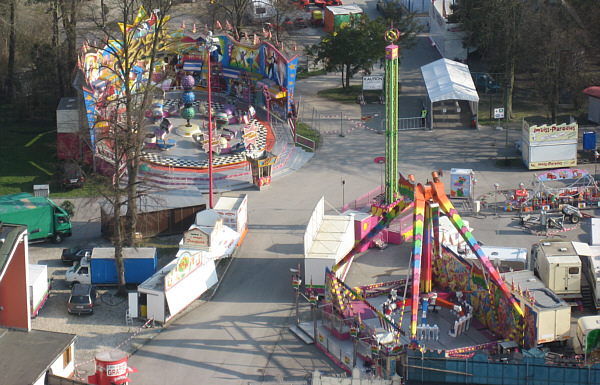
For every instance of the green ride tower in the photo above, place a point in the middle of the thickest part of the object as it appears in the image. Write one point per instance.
(391, 117)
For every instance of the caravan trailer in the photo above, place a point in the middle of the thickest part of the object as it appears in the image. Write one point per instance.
(591, 271)
(261, 11)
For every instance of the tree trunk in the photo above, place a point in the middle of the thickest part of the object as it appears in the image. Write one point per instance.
(70, 26)
(57, 51)
(12, 43)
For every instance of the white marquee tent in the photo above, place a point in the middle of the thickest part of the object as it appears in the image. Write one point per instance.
(449, 80)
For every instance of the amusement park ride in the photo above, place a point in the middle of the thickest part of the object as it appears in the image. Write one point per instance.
(425, 201)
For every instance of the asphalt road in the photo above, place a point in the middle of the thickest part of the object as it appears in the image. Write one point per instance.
(241, 336)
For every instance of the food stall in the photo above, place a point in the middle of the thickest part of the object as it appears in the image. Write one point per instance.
(190, 274)
(549, 146)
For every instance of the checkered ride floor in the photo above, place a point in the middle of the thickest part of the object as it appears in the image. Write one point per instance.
(218, 160)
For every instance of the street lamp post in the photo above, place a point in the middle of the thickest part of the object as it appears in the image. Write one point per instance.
(489, 91)
(506, 161)
(210, 47)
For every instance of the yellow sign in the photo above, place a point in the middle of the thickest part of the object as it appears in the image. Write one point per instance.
(552, 164)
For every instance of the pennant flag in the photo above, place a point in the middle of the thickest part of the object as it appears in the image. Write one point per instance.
(295, 48)
(228, 25)
(219, 25)
(183, 24)
(266, 33)
(194, 28)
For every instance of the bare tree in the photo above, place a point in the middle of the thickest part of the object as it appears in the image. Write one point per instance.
(134, 48)
(554, 54)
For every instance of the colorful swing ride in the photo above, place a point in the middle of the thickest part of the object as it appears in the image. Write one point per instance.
(425, 200)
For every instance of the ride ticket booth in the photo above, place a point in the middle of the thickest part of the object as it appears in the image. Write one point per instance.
(462, 183)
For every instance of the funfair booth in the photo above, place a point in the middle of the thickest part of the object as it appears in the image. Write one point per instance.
(190, 274)
(328, 238)
(549, 146)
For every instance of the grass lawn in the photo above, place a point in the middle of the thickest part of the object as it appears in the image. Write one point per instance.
(28, 157)
(306, 131)
(342, 95)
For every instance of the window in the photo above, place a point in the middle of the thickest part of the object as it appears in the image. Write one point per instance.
(67, 356)
(573, 270)
(84, 270)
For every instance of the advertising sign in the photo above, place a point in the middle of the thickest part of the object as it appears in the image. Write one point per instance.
(553, 133)
(372, 83)
(185, 265)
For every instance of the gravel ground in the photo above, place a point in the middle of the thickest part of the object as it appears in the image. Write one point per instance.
(106, 329)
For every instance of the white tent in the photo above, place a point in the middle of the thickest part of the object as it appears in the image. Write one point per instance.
(449, 80)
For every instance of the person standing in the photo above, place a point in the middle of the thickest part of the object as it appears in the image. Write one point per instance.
(424, 117)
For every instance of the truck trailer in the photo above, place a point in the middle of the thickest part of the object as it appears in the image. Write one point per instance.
(552, 315)
(558, 265)
(44, 218)
(101, 268)
(39, 287)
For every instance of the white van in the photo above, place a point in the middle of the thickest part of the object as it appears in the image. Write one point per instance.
(586, 325)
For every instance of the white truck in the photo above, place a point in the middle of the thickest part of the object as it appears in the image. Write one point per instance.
(39, 287)
(100, 268)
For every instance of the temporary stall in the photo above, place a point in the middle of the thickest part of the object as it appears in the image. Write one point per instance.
(448, 80)
(461, 183)
(338, 16)
(234, 211)
(328, 238)
(170, 212)
(174, 287)
(182, 281)
(593, 103)
(549, 146)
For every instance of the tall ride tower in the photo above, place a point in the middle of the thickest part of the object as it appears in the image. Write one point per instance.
(391, 117)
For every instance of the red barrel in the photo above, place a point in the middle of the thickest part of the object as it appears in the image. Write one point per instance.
(111, 368)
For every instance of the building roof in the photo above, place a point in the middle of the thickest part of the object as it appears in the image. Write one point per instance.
(26, 356)
(344, 9)
(206, 219)
(449, 80)
(8, 235)
(162, 201)
(593, 91)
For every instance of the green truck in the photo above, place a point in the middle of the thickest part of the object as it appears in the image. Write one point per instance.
(43, 218)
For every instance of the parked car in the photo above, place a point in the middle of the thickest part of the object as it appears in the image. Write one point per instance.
(82, 299)
(70, 176)
(486, 83)
(74, 254)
